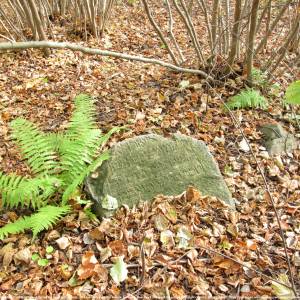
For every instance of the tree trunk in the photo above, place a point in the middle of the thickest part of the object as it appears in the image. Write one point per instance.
(251, 40)
(235, 35)
(38, 24)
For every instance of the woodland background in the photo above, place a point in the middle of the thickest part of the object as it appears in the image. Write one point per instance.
(163, 67)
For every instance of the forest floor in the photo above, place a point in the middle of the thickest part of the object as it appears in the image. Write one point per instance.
(234, 254)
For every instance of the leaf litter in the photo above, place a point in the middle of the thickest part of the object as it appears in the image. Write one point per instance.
(184, 246)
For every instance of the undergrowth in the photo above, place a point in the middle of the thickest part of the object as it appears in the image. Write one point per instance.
(248, 98)
(59, 161)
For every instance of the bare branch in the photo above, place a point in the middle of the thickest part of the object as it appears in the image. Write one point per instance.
(171, 21)
(158, 31)
(272, 26)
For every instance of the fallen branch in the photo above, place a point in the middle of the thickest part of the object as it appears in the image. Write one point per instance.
(94, 51)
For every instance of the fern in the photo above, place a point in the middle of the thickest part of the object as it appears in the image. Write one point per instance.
(79, 179)
(83, 117)
(18, 226)
(248, 98)
(43, 219)
(259, 78)
(17, 190)
(60, 162)
(34, 146)
(46, 217)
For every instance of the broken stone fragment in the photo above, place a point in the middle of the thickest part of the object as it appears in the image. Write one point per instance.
(276, 140)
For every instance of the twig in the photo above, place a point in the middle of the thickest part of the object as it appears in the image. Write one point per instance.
(94, 51)
(6, 38)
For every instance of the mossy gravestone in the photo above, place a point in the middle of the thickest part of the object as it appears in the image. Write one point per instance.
(142, 167)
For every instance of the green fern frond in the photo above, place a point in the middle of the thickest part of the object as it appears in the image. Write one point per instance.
(80, 178)
(18, 226)
(248, 98)
(55, 139)
(31, 192)
(35, 146)
(43, 219)
(60, 161)
(75, 164)
(46, 217)
(83, 117)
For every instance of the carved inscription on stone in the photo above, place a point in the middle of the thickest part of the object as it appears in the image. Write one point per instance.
(144, 166)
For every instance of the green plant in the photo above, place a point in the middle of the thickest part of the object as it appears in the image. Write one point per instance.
(248, 98)
(59, 162)
(292, 95)
(259, 78)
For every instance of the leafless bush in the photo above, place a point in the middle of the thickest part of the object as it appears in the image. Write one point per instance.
(32, 19)
(236, 31)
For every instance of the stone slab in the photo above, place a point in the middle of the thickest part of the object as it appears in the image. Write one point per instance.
(142, 167)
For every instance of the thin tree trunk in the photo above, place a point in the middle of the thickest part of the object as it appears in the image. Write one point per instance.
(190, 33)
(171, 22)
(214, 24)
(203, 7)
(251, 40)
(38, 24)
(158, 31)
(235, 35)
(272, 26)
(283, 49)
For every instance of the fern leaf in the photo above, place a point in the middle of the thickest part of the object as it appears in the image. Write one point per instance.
(43, 219)
(55, 139)
(18, 226)
(17, 190)
(83, 117)
(35, 146)
(80, 178)
(248, 98)
(46, 217)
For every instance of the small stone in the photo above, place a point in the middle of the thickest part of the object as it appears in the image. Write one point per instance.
(276, 140)
(63, 242)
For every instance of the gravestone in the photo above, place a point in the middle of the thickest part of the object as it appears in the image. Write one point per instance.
(276, 140)
(142, 167)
